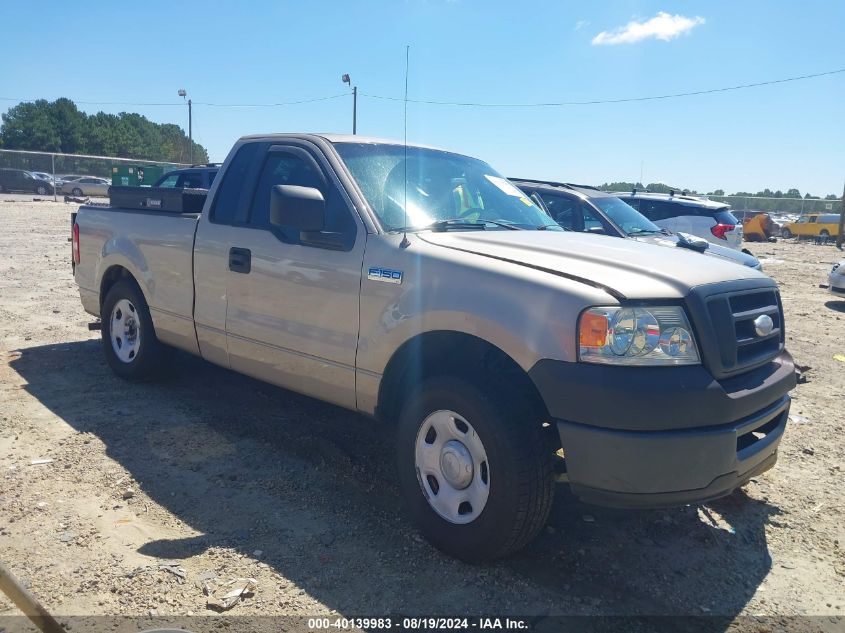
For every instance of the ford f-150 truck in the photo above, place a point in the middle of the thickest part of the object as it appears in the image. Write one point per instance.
(420, 286)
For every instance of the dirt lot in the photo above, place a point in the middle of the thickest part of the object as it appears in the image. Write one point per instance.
(223, 477)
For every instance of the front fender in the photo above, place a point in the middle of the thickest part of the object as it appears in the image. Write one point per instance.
(526, 313)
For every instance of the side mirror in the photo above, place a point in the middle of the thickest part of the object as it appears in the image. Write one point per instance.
(299, 208)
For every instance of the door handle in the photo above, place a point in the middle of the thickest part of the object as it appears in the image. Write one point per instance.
(240, 260)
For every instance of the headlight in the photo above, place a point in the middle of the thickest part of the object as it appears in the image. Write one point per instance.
(659, 335)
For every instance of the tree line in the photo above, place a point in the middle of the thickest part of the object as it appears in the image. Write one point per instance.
(767, 200)
(59, 126)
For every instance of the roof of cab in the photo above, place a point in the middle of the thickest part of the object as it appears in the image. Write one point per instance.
(337, 138)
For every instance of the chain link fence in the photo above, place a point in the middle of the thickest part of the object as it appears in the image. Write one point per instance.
(781, 206)
(46, 173)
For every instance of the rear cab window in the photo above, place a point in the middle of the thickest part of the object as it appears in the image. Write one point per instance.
(230, 203)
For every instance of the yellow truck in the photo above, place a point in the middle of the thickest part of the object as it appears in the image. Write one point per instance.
(812, 225)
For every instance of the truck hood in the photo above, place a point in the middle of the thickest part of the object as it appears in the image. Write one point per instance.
(626, 269)
(713, 250)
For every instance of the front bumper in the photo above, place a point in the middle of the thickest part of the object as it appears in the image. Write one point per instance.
(666, 436)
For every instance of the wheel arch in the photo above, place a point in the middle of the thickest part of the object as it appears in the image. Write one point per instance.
(442, 352)
(114, 274)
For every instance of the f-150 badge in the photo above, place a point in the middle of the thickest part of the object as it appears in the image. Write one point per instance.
(377, 273)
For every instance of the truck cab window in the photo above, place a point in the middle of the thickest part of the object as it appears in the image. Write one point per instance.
(228, 203)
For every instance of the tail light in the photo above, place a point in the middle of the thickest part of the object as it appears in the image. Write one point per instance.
(75, 243)
(719, 230)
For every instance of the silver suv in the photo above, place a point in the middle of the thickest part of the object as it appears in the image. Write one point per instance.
(696, 215)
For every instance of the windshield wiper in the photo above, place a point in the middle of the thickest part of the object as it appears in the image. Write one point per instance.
(460, 224)
(546, 227)
(638, 231)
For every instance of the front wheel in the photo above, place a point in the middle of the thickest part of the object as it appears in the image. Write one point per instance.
(129, 340)
(77, 191)
(41, 190)
(474, 469)
(824, 233)
(786, 234)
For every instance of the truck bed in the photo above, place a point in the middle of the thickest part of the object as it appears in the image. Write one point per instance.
(156, 248)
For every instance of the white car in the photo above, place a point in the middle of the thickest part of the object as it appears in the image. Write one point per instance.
(87, 186)
(836, 279)
(680, 213)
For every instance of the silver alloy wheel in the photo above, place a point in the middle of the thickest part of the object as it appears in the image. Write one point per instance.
(124, 330)
(452, 467)
(42, 190)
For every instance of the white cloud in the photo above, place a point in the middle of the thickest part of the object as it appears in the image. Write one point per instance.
(662, 26)
(580, 24)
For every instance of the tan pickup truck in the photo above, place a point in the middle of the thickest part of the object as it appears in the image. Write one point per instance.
(420, 286)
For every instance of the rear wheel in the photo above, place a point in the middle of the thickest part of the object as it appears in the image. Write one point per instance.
(824, 233)
(474, 468)
(129, 341)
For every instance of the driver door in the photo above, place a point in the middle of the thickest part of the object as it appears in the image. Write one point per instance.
(292, 312)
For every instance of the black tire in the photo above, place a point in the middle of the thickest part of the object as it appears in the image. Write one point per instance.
(77, 191)
(786, 234)
(41, 190)
(521, 483)
(1, 188)
(824, 233)
(149, 361)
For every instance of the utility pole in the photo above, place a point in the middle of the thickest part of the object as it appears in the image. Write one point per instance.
(840, 237)
(190, 133)
(183, 93)
(348, 82)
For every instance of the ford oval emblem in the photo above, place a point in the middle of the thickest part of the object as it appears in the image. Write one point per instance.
(763, 325)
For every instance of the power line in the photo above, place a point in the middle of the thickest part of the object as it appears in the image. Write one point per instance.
(271, 105)
(606, 101)
(551, 104)
(203, 103)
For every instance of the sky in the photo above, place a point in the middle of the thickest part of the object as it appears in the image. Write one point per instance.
(483, 51)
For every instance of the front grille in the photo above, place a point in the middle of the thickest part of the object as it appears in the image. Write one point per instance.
(740, 346)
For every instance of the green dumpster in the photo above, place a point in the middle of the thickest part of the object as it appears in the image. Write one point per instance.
(127, 175)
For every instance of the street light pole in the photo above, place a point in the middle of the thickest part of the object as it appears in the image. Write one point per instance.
(190, 133)
(183, 93)
(840, 237)
(348, 82)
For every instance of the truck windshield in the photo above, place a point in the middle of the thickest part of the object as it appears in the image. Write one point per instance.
(436, 186)
(625, 216)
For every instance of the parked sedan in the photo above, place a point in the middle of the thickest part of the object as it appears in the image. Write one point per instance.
(43, 175)
(87, 186)
(20, 180)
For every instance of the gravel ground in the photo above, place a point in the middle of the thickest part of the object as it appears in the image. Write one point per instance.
(158, 493)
